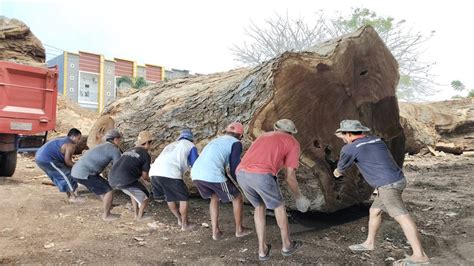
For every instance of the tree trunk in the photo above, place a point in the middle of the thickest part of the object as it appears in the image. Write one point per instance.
(19, 44)
(353, 77)
(448, 125)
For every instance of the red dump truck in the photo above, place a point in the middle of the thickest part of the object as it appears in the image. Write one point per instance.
(28, 98)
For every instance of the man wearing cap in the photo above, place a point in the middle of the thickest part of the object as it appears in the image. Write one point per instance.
(127, 171)
(209, 176)
(55, 159)
(167, 175)
(377, 166)
(256, 175)
(87, 170)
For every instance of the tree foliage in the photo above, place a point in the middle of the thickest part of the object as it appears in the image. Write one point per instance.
(136, 83)
(282, 33)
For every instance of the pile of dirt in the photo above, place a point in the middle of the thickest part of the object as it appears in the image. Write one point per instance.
(69, 115)
(18, 44)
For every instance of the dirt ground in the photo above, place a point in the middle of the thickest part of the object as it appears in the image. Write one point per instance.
(37, 225)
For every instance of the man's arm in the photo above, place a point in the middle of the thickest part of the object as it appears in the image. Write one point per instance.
(192, 157)
(68, 152)
(292, 182)
(346, 160)
(302, 203)
(145, 176)
(234, 158)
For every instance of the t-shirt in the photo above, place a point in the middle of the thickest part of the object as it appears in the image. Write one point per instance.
(174, 160)
(270, 152)
(374, 160)
(93, 162)
(129, 167)
(215, 157)
(51, 151)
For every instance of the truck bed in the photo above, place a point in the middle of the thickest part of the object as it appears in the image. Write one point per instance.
(27, 98)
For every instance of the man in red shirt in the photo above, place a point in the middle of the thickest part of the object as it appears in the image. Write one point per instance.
(256, 175)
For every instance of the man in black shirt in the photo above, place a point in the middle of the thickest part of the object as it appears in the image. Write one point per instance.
(127, 171)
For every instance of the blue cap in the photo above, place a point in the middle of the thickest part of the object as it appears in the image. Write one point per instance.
(186, 134)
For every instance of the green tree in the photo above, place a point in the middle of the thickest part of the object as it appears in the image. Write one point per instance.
(282, 33)
(457, 85)
(136, 83)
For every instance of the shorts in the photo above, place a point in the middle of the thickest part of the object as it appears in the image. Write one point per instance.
(95, 183)
(174, 189)
(60, 174)
(389, 199)
(157, 189)
(137, 191)
(226, 191)
(260, 189)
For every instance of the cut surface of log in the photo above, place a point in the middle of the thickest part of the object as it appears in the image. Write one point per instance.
(353, 77)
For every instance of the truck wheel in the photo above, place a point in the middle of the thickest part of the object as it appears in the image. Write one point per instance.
(7, 163)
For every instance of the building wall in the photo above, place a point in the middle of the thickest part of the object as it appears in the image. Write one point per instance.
(176, 74)
(58, 61)
(90, 81)
(141, 71)
(109, 81)
(154, 73)
(72, 78)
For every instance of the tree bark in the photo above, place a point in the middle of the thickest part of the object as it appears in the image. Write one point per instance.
(448, 125)
(352, 77)
(19, 44)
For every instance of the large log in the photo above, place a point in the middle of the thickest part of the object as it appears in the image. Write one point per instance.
(19, 44)
(447, 125)
(353, 77)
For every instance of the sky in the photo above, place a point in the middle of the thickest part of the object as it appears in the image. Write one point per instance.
(198, 35)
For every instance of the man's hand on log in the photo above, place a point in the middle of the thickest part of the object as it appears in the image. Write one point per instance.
(302, 204)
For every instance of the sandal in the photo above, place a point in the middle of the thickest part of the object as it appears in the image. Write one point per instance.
(267, 255)
(295, 246)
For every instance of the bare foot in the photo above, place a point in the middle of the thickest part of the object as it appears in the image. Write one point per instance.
(110, 217)
(218, 235)
(179, 222)
(188, 227)
(144, 217)
(243, 232)
(76, 199)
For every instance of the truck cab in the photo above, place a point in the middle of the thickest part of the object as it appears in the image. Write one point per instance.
(28, 97)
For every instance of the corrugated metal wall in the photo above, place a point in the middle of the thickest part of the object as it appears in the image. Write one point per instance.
(153, 73)
(123, 68)
(89, 62)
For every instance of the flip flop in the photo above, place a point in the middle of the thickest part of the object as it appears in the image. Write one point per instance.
(408, 262)
(296, 245)
(267, 255)
(359, 247)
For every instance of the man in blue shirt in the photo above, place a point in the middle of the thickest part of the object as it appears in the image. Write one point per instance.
(376, 164)
(55, 159)
(209, 176)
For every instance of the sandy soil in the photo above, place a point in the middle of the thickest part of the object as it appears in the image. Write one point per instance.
(37, 225)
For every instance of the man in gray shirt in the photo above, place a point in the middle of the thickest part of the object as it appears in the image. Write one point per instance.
(87, 170)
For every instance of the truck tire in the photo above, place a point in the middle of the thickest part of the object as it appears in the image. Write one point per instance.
(7, 163)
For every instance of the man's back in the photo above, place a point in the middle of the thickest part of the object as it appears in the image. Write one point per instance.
(51, 151)
(270, 152)
(95, 160)
(129, 167)
(173, 160)
(211, 163)
(373, 159)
